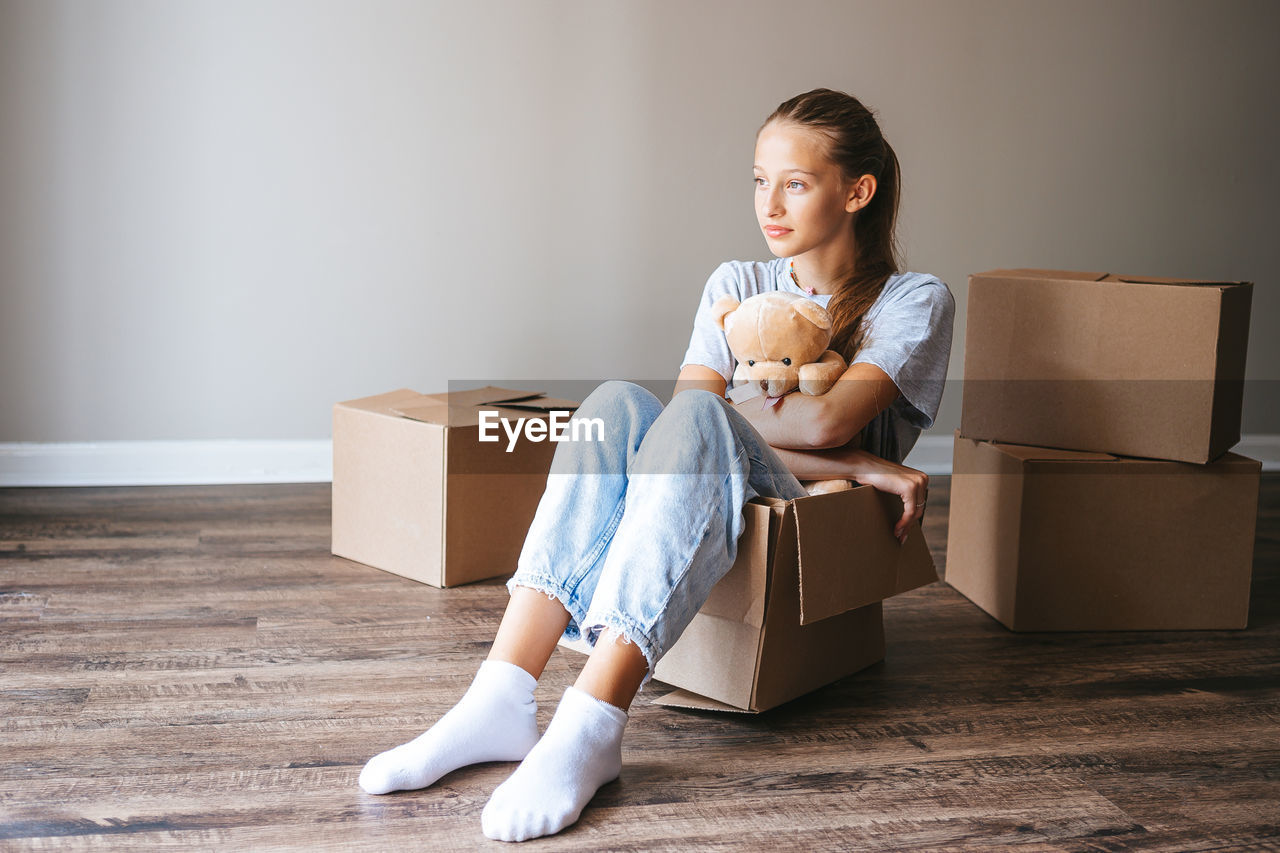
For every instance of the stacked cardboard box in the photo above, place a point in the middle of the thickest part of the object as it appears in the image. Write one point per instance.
(1092, 484)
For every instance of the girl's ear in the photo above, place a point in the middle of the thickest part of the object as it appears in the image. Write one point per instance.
(723, 307)
(861, 193)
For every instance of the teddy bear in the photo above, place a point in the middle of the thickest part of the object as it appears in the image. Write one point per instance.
(780, 342)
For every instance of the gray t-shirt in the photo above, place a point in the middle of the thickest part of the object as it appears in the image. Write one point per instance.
(908, 337)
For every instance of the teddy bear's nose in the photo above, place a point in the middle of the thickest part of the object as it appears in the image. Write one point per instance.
(772, 387)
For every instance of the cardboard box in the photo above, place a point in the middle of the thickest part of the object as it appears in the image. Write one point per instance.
(801, 605)
(1134, 366)
(1058, 540)
(415, 491)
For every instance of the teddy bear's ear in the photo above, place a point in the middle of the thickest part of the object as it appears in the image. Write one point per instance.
(814, 313)
(723, 307)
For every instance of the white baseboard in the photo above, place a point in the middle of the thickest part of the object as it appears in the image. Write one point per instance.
(175, 463)
(164, 463)
(931, 454)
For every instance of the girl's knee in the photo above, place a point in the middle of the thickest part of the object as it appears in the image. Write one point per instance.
(698, 406)
(619, 393)
(624, 410)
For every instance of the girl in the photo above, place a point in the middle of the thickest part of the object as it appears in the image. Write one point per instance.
(632, 532)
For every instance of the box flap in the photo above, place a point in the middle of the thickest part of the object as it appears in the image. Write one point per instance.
(489, 394)
(537, 404)
(1228, 375)
(848, 556)
(461, 408)
(434, 408)
(1145, 279)
(383, 404)
(423, 410)
(1076, 275)
(1055, 275)
(1027, 452)
(685, 699)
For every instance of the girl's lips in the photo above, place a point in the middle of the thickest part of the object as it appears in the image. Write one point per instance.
(777, 232)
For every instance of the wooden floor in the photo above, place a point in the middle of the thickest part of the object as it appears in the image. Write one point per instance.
(189, 668)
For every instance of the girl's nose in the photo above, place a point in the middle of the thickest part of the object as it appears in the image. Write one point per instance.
(773, 202)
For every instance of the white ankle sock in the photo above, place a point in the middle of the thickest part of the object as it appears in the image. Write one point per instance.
(581, 750)
(495, 720)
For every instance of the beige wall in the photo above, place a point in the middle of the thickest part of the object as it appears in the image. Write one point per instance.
(220, 217)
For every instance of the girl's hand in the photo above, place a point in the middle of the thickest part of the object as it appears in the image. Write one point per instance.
(907, 483)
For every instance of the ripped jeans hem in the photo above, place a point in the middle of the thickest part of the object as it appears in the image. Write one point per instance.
(628, 632)
(554, 590)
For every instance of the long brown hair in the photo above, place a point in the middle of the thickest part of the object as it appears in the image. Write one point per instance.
(858, 147)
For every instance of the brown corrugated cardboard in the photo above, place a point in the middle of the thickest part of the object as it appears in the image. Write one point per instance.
(415, 491)
(1056, 540)
(801, 605)
(1135, 366)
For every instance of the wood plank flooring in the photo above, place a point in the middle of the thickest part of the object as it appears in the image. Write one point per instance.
(189, 668)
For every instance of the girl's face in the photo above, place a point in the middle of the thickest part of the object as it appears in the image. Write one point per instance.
(803, 201)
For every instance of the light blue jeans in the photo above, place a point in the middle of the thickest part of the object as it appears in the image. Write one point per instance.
(632, 532)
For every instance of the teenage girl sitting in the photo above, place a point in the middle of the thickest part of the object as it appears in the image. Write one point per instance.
(633, 532)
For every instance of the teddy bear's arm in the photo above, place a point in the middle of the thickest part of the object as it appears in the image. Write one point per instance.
(819, 376)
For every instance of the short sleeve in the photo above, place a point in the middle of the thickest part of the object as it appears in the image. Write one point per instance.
(909, 338)
(708, 345)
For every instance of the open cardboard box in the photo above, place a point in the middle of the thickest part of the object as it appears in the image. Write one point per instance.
(801, 605)
(1058, 540)
(1135, 366)
(416, 492)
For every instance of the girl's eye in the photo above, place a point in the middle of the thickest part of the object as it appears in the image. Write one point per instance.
(795, 184)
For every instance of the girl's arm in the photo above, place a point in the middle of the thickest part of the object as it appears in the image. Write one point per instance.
(700, 376)
(832, 420)
(852, 463)
(807, 423)
(841, 463)
(840, 460)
